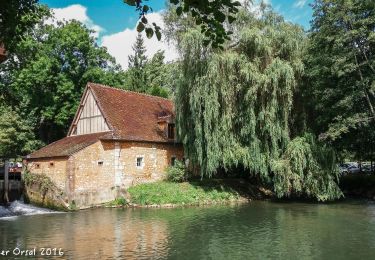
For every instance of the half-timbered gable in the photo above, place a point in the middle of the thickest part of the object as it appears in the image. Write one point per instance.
(89, 118)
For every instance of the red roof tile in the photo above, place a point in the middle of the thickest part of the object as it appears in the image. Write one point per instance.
(66, 146)
(132, 116)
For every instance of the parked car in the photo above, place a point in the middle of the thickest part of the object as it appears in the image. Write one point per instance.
(353, 169)
(344, 167)
(343, 170)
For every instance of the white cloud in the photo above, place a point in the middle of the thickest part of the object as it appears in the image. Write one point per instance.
(300, 3)
(79, 13)
(119, 45)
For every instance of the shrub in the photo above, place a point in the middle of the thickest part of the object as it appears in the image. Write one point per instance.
(42, 180)
(120, 201)
(177, 172)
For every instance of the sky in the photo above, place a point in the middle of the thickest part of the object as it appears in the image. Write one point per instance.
(114, 22)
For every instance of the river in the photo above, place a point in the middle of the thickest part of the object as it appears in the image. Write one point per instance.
(258, 230)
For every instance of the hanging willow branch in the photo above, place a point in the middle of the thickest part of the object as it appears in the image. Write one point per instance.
(234, 108)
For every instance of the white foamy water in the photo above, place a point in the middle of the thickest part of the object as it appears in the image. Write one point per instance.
(18, 208)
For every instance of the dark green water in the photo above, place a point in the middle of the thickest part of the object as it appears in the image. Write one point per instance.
(259, 230)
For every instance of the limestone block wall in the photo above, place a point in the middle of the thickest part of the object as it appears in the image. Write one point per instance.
(55, 168)
(156, 158)
(97, 173)
(94, 175)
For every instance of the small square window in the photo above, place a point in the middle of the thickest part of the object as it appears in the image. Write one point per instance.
(139, 162)
(51, 164)
(37, 166)
(100, 163)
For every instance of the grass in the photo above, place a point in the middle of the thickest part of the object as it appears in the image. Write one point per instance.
(118, 202)
(185, 193)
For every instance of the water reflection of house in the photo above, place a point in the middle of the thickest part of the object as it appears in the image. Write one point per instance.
(117, 139)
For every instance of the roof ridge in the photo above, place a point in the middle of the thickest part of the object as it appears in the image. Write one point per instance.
(128, 91)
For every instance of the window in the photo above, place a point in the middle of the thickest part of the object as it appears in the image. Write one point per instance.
(51, 164)
(173, 160)
(37, 166)
(139, 163)
(171, 131)
(100, 163)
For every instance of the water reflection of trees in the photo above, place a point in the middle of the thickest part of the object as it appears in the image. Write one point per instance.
(259, 230)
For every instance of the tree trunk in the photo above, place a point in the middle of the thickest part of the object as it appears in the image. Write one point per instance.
(365, 88)
(6, 182)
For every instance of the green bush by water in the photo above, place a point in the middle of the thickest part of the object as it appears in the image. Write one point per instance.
(177, 173)
(185, 193)
(121, 201)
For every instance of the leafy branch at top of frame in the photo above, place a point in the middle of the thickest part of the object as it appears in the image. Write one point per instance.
(210, 15)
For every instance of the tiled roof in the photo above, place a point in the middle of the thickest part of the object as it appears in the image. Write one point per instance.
(66, 146)
(132, 116)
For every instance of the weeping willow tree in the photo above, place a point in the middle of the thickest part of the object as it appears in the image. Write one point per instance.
(234, 108)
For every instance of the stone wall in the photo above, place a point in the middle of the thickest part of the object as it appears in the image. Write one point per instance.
(104, 170)
(55, 168)
(156, 158)
(93, 180)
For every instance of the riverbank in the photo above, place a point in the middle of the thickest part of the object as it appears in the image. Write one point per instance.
(256, 230)
(358, 185)
(198, 192)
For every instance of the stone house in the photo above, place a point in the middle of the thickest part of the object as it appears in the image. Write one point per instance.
(117, 139)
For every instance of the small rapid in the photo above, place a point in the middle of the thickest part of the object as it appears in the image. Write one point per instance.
(18, 208)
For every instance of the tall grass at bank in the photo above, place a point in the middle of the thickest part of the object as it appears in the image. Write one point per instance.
(185, 193)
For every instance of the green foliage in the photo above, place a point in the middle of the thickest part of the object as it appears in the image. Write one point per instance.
(136, 73)
(18, 17)
(44, 182)
(138, 59)
(152, 76)
(118, 202)
(235, 106)
(306, 168)
(177, 172)
(47, 72)
(209, 15)
(340, 75)
(185, 193)
(72, 205)
(17, 136)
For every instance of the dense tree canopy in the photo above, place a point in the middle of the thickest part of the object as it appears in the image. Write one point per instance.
(234, 108)
(137, 62)
(47, 72)
(17, 135)
(18, 17)
(341, 74)
(145, 75)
